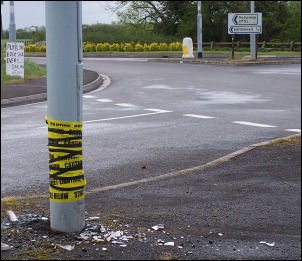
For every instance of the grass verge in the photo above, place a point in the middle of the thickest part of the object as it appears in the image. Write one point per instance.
(294, 141)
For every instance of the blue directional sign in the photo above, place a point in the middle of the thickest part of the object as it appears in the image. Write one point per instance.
(245, 23)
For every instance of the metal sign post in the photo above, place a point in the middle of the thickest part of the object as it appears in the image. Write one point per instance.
(12, 25)
(233, 46)
(246, 23)
(253, 36)
(199, 30)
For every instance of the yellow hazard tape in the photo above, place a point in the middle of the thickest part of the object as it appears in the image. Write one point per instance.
(66, 175)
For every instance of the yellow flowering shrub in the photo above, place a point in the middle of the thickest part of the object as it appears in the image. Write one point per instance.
(139, 47)
(30, 48)
(116, 47)
(154, 47)
(128, 47)
(175, 46)
(146, 48)
(163, 47)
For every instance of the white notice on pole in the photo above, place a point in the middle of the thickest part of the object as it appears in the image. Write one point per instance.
(15, 59)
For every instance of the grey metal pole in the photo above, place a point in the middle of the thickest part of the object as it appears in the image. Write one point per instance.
(64, 98)
(1, 20)
(12, 25)
(253, 36)
(199, 30)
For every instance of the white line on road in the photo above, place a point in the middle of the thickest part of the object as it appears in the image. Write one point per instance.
(198, 116)
(118, 59)
(286, 73)
(254, 124)
(157, 110)
(88, 96)
(130, 116)
(104, 100)
(129, 105)
(294, 130)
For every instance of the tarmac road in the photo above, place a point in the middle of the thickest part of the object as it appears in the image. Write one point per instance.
(248, 208)
(243, 206)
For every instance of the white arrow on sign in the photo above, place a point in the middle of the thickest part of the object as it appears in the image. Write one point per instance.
(245, 19)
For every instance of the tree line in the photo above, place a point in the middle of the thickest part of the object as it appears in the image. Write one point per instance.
(170, 21)
(281, 20)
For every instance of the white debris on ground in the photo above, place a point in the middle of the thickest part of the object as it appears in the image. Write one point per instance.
(23, 220)
(99, 234)
(12, 216)
(92, 218)
(5, 247)
(94, 232)
(158, 227)
(102, 238)
(169, 244)
(266, 243)
(67, 247)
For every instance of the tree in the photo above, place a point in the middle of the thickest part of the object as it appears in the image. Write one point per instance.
(274, 15)
(23, 33)
(162, 17)
(291, 29)
(38, 33)
(280, 19)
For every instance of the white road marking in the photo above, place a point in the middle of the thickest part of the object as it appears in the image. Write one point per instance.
(279, 71)
(160, 86)
(198, 116)
(118, 59)
(130, 116)
(88, 96)
(294, 130)
(129, 105)
(262, 56)
(289, 73)
(254, 124)
(104, 100)
(157, 110)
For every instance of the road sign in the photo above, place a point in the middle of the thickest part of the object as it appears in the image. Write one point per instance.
(245, 23)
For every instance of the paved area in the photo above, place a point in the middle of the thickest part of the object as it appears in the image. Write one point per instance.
(35, 90)
(30, 91)
(246, 205)
(243, 208)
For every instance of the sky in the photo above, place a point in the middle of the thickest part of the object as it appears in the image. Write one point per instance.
(32, 13)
